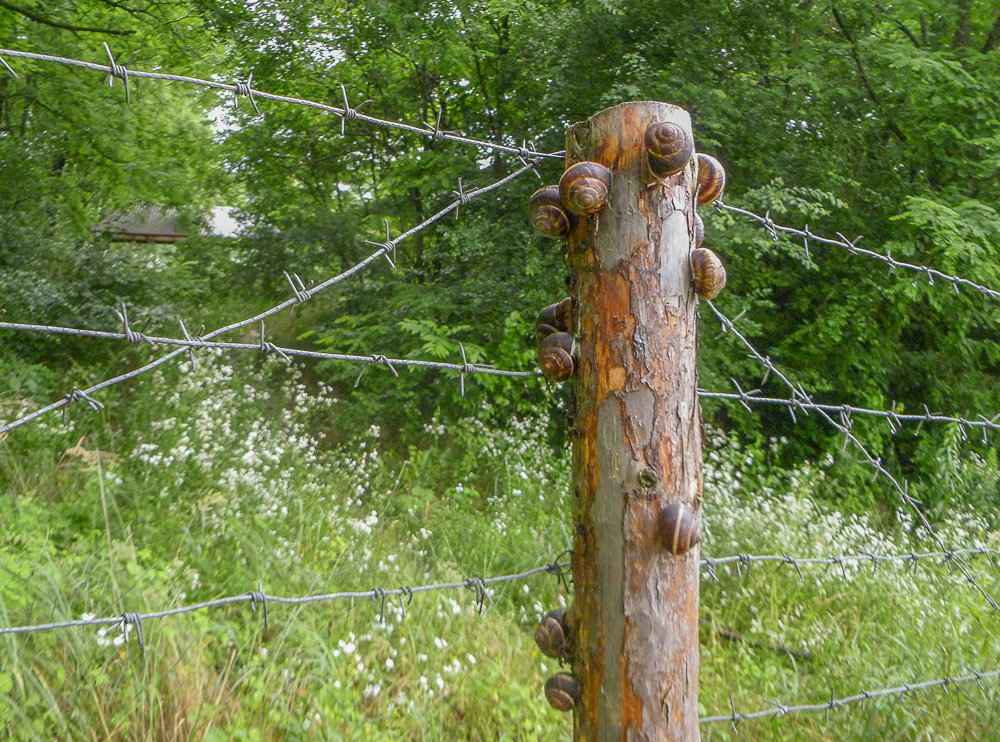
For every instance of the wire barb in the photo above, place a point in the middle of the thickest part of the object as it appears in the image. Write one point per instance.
(348, 114)
(119, 70)
(800, 399)
(79, 395)
(133, 619)
(834, 703)
(352, 271)
(8, 67)
(852, 248)
(258, 596)
(267, 347)
(389, 246)
(130, 335)
(299, 289)
(477, 585)
(243, 88)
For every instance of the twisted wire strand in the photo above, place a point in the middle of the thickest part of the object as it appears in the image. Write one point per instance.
(799, 395)
(270, 347)
(806, 235)
(910, 560)
(346, 112)
(893, 418)
(259, 597)
(383, 250)
(735, 718)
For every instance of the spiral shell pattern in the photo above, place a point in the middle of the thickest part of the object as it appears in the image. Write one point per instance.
(711, 179)
(708, 273)
(669, 148)
(550, 636)
(556, 356)
(583, 188)
(547, 214)
(562, 691)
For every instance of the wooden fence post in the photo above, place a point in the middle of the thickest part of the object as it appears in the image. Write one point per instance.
(637, 458)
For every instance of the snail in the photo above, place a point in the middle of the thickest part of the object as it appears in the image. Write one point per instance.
(669, 148)
(547, 213)
(708, 273)
(699, 231)
(554, 318)
(711, 179)
(562, 691)
(550, 636)
(679, 528)
(583, 188)
(542, 331)
(556, 356)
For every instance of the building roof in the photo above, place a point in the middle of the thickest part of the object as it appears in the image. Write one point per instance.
(143, 224)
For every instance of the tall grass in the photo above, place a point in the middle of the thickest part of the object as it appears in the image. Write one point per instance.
(202, 482)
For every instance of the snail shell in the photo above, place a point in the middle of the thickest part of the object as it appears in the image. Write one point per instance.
(547, 213)
(711, 179)
(583, 188)
(669, 148)
(559, 315)
(542, 331)
(708, 273)
(562, 691)
(556, 356)
(699, 231)
(679, 528)
(550, 636)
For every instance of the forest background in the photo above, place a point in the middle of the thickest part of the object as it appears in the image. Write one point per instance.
(863, 118)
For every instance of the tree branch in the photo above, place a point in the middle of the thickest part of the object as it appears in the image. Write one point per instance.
(993, 37)
(852, 41)
(31, 15)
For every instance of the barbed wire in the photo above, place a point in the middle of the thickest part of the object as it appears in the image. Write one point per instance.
(735, 718)
(910, 560)
(893, 418)
(378, 595)
(844, 426)
(346, 113)
(266, 347)
(852, 248)
(300, 294)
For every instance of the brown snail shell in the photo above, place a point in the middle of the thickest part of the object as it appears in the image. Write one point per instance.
(562, 691)
(583, 188)
(708, 273)
(699, 231)
(550, 636)
(547, 213)
(559, 315)
(669, 148)
(556, 356)
(711, 179)
(542, 331)
(679, 528)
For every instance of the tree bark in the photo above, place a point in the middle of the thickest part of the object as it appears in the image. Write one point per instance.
(635, 613)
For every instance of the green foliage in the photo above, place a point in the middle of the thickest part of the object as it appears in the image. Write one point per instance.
(853, 118)
(224, 478)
